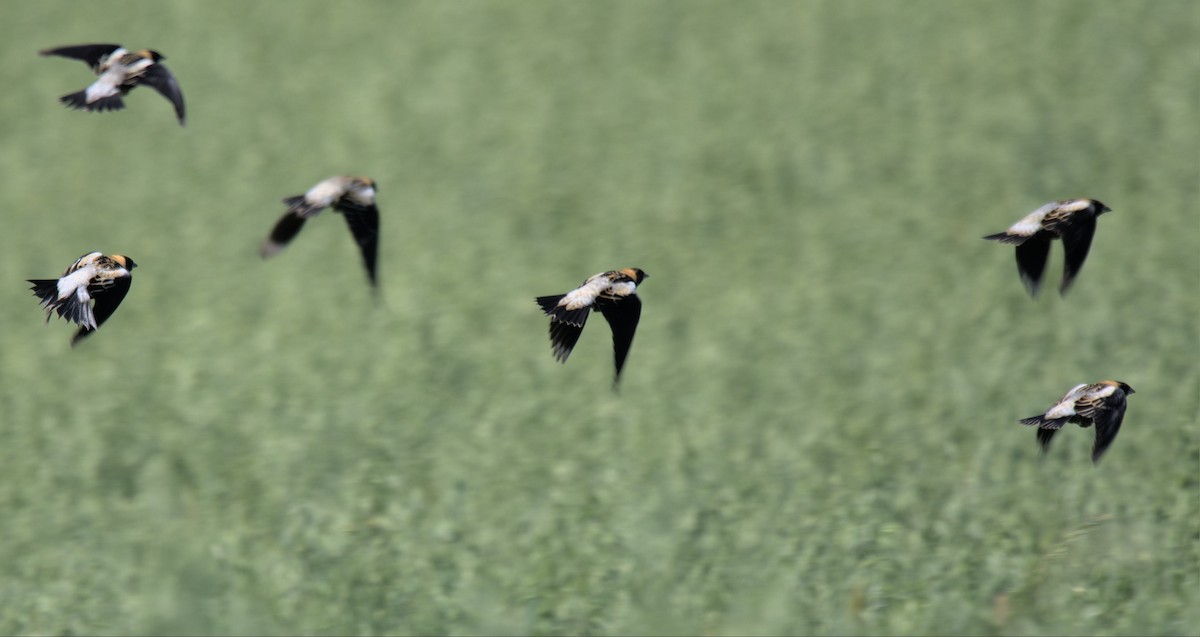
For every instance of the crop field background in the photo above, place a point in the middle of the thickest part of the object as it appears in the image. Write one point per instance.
(816, 430)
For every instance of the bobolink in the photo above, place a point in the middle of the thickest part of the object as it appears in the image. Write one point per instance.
(1072, 220)
(119, 71)
(613, 294)
(353, 197)
(93, 276)
(1101, 404)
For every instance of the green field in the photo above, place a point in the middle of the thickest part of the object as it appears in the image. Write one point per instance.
(816, 430)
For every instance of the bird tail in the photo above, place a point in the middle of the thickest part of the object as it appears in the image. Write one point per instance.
(46, 290)
(79, 101)
(1042, 422)
(69, 308)
(550, 306)
(1004, 237)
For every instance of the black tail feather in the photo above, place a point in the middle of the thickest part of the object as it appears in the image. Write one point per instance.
(79, 101)
(1004, 237)
(548, 303)
(45, 289)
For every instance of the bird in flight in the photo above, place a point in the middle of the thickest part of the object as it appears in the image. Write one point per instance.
(119, 71)
(1072, 220)
(93, 276)
(613, 294)
(353, 197)
(1101, 404)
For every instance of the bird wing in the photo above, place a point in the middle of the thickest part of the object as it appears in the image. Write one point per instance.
(1031, 260)
(285, 230)
(107, 298)
(88, 53)
(160, 79)
(364, 225)
(564, 336)
(1044, 436)
(1106, 412)
(1076, 239)
(622, 314)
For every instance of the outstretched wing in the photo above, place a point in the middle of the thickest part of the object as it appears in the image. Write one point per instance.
(285, 230)
(90, 54)
(160, 79)
(622, 314)
(1031, 260)
(1077, 240)
(1044, 436)
(1108, 416)
(364, 225)
(563, 337)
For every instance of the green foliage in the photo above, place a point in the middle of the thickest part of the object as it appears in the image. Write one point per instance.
(817, 429)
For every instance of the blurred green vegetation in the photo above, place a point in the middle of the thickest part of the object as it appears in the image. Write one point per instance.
(817, 428)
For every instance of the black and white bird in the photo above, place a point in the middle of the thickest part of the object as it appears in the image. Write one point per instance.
(119, 71)
(105, 279)
(613, 294)
(1072, 220)
(353, 197)
(1101, 404)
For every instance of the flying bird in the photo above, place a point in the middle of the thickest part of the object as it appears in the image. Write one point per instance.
(1101, 404)
(613, 294)
(93, 276)
(119, 71)
(354, 197)
(1072, 220)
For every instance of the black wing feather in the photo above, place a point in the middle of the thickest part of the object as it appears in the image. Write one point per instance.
(1077, 240)
(88, 53)
(563, 337)
(364, 225)
(285, 230)
(160, 79)
(1044, 436)
(1031, 260)
(1108, 423)
(622, 315)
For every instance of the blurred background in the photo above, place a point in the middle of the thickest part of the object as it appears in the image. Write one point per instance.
(816, 430)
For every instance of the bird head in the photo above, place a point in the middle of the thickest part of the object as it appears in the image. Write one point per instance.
(125, 261)
(1100, 207)
(1119, 385)
(152, 54)
(636, 274)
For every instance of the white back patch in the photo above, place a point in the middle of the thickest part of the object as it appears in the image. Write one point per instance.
(1032, 222)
